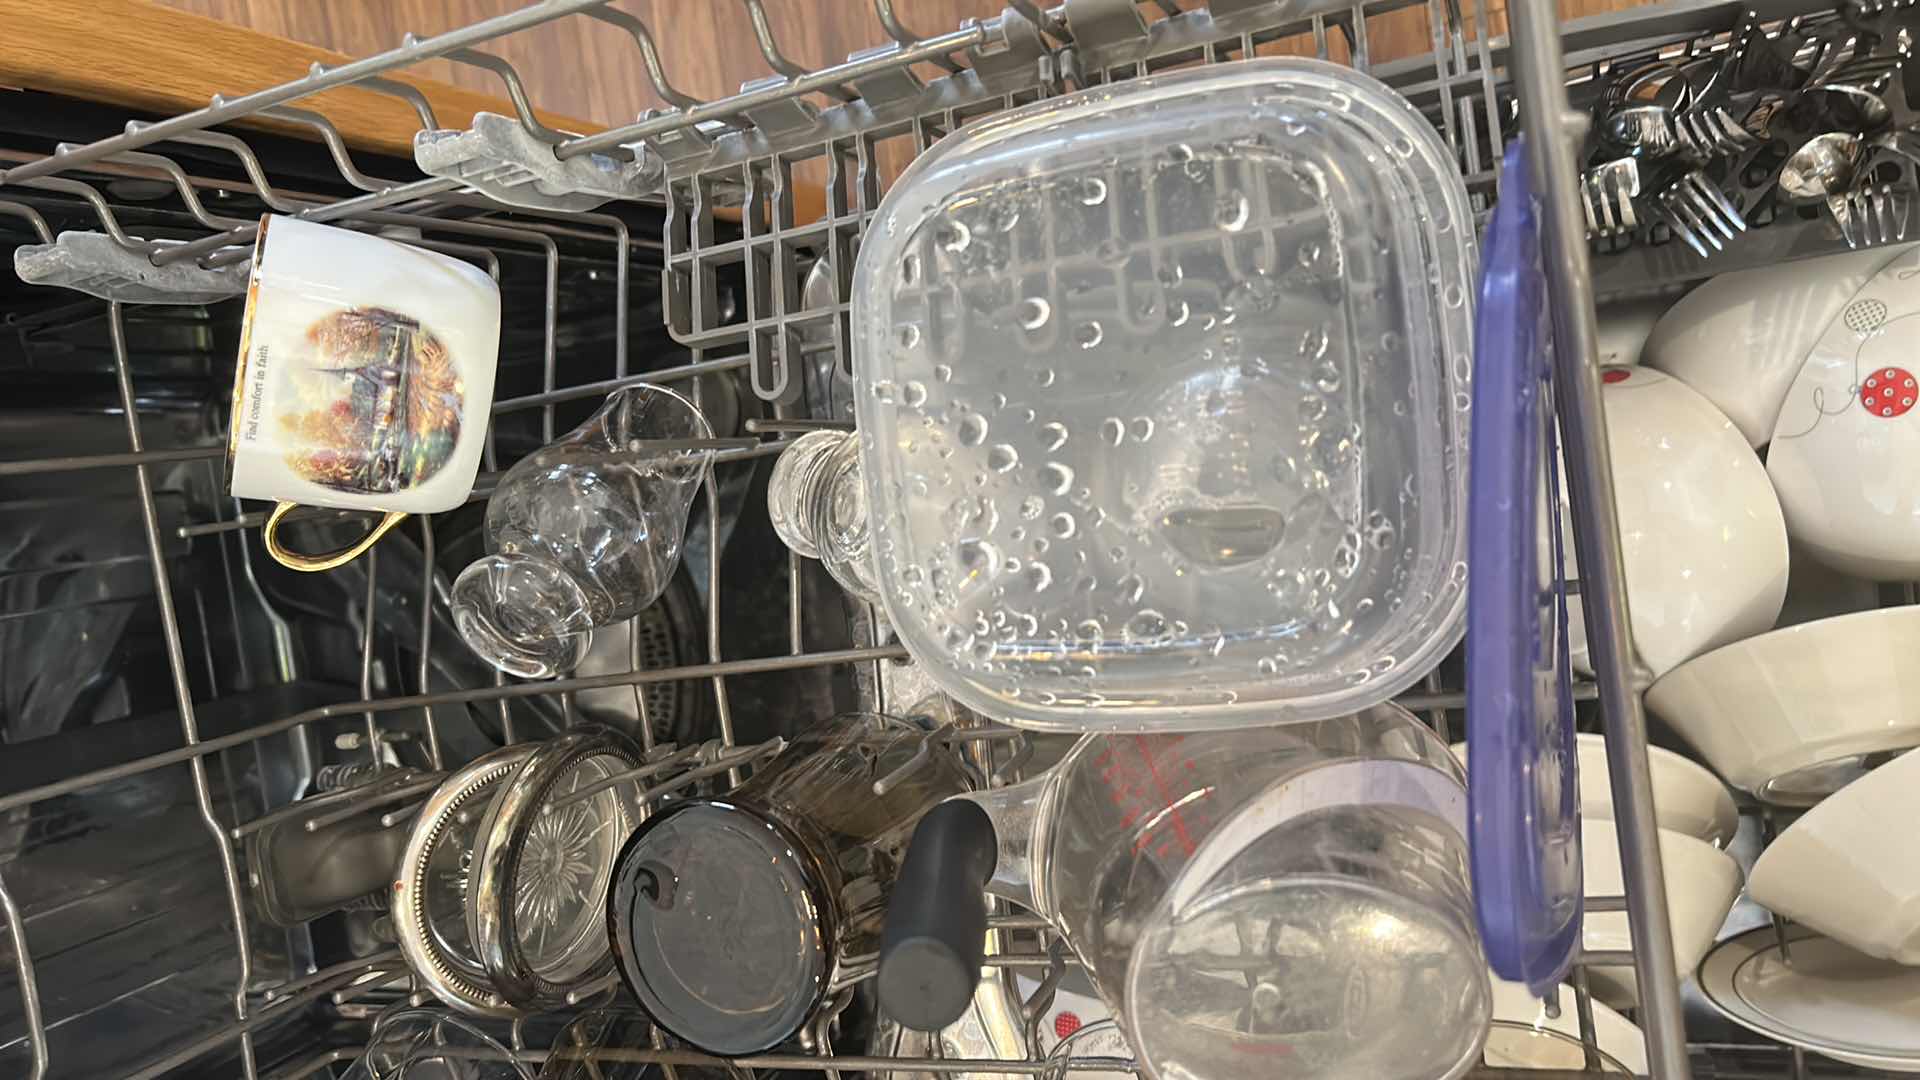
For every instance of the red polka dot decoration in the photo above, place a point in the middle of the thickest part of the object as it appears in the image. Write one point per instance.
(1888, 392)
(1615, 375)
(1065, 1024)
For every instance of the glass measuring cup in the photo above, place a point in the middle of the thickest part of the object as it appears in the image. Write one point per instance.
(1292, 899)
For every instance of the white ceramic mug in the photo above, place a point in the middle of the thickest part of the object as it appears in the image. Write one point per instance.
(365, 379)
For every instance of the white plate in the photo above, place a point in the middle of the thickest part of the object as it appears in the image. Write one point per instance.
(1740, 338)
(1832, 871)
(1616, 1036)
(1702, 883)
(1848, 434)
(1785, 715)
(1703, 542)
(1687, 797)
(1830, 999)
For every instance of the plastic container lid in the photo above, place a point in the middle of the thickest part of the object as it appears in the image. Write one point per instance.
(719, 927)
(1162, 391)
(1523, 798)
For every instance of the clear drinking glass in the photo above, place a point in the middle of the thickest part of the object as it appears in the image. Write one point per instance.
(409, 1043)
(733, 918)
(585, 532)
(1293, 896)
(818, 503)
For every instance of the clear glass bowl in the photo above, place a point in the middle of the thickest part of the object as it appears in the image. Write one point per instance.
(1162, 391)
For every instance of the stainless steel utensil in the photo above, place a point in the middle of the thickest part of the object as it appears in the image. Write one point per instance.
(1824, 166)
(1607, 193)
(1700, 213)
(1875, 214)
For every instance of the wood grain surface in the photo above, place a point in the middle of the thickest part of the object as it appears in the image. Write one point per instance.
(158, 59)
(581, 67)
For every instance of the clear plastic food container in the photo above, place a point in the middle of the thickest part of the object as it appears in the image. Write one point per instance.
(1162, 393)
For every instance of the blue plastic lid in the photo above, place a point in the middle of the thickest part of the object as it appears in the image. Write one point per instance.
(1523, 801)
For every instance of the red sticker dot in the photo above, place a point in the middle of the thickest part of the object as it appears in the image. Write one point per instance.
(1882, 392)
(1065, 1024)
(1615, 375)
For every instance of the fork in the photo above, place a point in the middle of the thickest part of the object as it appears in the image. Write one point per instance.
(1875, 214)
(1700, 213)
(1714, 132)
(1607, 193)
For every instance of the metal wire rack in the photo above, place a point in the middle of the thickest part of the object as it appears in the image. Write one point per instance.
(737, 297)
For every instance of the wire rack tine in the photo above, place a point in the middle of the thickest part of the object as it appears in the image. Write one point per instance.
(649, 54)
(897, 30)
(1539, 79)
(29, 984)
(770, 49)
(182, 690)
(516, 91)
(223, 109)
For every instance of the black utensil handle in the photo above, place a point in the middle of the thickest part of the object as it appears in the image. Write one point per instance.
(936, 930)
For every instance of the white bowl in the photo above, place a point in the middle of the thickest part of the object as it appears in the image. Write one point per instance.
(1832, 870)
(1700, 528)
(1787, 714)
(1686, 797)
(1817, 591)
(1740, 338)
(1702, 883)
(1615, 1035)
(1848, 434)
(1622, 328)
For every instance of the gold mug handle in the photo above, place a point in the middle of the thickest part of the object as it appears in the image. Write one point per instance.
(294, 560)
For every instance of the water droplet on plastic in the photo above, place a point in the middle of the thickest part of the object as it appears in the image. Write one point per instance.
(1131, 588)
(943, 372)
(1089, 334)
(1002, 458)
(954, 237)
(909, 335)
(1147, 625)
(1056, 478)
(1267, 666)
(1034, 312)
(1326, 376)
(1180, 153)
(883, 391)
(1112, 430)
(1222, 537)
(1045, 376)
(1063, 525)
(972, 430)
(909, 269)
(1231, 212)
(1053, 436)
(1090, 629)
(1178, 312)
(1339, 100)
(1293, 125)
(1031, 507)
(1313, 342)
(1112, 251)
(1310, 254)
(1253, 296)
(1453, 295)
(913, 394)
(1093, 191)
(1039, 576)
(1141, 428)
(1313, 408)
(979, 558)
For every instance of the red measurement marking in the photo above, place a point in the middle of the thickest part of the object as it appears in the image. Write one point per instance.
(1166, 796)
(1065, 1024)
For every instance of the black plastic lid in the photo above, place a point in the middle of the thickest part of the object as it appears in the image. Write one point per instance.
(719, 928)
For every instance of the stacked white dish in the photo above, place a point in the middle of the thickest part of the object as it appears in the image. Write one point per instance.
(1810, 361)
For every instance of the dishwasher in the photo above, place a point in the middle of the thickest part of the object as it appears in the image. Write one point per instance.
(209, 760)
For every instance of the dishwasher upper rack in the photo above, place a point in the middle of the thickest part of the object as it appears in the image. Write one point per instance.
(741, 150)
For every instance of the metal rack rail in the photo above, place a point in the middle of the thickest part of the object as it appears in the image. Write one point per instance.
(735, 299)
